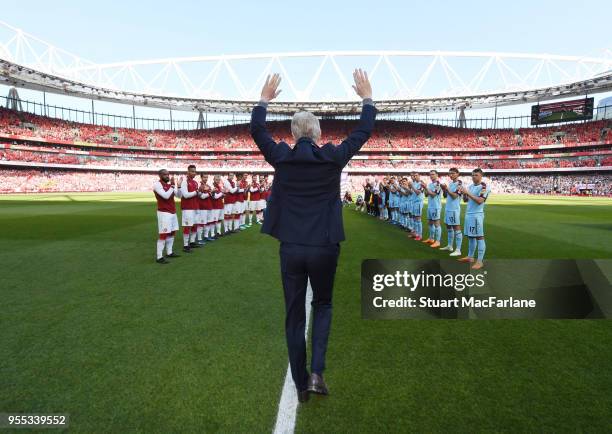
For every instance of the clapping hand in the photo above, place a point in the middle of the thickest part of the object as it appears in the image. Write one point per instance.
(270, 89)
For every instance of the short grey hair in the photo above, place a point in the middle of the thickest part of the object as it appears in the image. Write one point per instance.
(305, 124)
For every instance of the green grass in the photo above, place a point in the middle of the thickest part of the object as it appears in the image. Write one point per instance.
(91, 326)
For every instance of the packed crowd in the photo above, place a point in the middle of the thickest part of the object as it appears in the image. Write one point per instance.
(229, 161)
(388, 134)
(43, 181)
(31, 180)
(596, 185)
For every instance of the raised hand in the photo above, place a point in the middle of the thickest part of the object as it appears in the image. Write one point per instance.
(270, 89)
(362, 84)
(180, 180)
(172, 180)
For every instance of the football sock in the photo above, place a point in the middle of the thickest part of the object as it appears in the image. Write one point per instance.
(471, 246)
(160, 248)
(481, 249)
(169, 243)
(458, 239)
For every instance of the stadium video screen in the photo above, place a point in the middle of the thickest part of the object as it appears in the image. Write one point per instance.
(564, 111)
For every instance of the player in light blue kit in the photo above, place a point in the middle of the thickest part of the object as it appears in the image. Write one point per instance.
(433, 191)
(382, 206)
(406, 192)
(452, 212)
(403, 201)
(475, 195)
(417, 205)
(393, 200)
(407, 201)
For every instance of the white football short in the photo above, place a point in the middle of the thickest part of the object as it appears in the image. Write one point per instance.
(188, 217)
(166, 222)
(200, 216)
(217, 215)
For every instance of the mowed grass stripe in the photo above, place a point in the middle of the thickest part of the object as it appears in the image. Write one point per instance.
(92, 326)
(461, 376)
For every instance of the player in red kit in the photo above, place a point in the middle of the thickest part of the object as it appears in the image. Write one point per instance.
(217, 211)
(230, 188)
(203, 213)
(265, 193)
(165, 190)
(243, 186)
(253, 202)
(189, 205)
(209, 225)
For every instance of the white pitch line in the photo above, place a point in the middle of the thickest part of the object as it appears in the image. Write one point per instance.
(287, 406)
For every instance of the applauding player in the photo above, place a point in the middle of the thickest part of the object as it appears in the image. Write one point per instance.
(230, 189)
(418, 187)
(434, 209)
(243, 185)
(452, 212)
(217, 207)
(189, 205)
(475, 196)
(165, 189)
(205, 210)
(254, 195)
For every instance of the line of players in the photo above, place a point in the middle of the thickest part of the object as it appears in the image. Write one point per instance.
(406, 200)
(208, 211)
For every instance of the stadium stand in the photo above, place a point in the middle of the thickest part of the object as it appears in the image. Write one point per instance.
(40, 153)
(392, 135)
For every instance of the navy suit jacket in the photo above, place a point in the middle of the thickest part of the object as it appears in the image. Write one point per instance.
(304, 206)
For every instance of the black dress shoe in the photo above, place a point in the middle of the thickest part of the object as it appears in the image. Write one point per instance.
(162, 260)
(187, 249)
(173, 255)
(303, 395)
(194, 245)
(317, 385)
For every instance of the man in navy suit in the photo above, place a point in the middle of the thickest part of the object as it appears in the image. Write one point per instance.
(304, 212)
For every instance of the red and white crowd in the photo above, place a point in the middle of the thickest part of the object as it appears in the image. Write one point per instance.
(388, 134)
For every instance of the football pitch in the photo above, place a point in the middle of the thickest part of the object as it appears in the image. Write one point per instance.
(92, 326)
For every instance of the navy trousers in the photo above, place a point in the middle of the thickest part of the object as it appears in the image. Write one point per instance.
(298, 264)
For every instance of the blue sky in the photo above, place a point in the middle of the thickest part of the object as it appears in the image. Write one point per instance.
(113, 30)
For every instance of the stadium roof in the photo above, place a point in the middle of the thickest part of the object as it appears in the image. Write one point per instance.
(405, 81)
